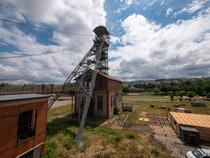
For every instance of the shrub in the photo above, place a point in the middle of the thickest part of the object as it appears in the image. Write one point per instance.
(68, 143)
(155, 152)
(50, 150)
(131, 136)
(117, 138)
(116, 110)
(191, 94)
(197, 103)
(125, 89)
(208, 95)
(156, 91)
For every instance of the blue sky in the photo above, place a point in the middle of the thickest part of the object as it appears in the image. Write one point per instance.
(156, 11)
(150, 39)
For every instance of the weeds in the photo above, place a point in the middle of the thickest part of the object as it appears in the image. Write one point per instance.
(104, 155)
(68, 143)
(50, 150)
(131, 136)
(110, 134)
(155, 152)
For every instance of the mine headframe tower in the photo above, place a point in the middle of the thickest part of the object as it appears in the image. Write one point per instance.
(96, 60)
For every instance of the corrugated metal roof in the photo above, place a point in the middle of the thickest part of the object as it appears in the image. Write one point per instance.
(13, 97)
(199, 120)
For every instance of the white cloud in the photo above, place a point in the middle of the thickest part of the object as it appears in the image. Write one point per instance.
(129, 2)
(177, 50)
(136, 24)
(124, 4)
(69, 16)
(114, 39)
(196, 5)
(169, 11)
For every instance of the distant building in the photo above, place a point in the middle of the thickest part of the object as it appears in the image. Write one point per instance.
(30, 88)
(133, 89)
(23, 125)
(107, 96)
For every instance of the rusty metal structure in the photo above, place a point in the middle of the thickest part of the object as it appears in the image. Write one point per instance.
(96, 60)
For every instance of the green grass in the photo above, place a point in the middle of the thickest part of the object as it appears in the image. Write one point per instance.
(131, 136)
(106, 142)
(143, 101)
(62, 110)
(50, 149)
(99, 141)
(110, 134)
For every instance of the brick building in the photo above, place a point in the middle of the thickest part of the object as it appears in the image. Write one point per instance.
(107, 95)
(23, 125)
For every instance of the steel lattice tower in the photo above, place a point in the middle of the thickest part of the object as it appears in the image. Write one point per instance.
(96, 60)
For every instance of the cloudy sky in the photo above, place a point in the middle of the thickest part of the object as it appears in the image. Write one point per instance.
(150, 39)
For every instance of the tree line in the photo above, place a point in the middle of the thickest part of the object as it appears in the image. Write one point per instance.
(182, 88)
(199, 87)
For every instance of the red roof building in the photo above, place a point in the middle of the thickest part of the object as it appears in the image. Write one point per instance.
(107, 96)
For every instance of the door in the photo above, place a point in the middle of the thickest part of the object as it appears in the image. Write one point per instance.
(91, 112)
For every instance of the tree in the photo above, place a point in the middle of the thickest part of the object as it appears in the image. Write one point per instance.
(156, 90)
(191, 94)
(125, 89)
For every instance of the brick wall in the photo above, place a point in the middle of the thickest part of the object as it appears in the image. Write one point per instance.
(8, 128)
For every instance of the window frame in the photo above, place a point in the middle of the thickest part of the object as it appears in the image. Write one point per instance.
(30, 125)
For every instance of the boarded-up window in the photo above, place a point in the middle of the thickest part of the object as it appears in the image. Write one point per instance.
(100, 102)
(26, 125)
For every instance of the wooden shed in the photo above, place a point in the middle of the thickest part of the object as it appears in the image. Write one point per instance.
(200, 122)
(23, 125)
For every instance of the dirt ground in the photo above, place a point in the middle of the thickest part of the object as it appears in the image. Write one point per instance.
(159, 127)
(62, 101)
(164, 133)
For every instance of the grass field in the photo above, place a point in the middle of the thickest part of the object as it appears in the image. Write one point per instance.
(143, 101)
(101, 142)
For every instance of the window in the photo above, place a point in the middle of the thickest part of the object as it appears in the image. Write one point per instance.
(112, 101)
(26, 125)
(100, 102)
(99, 82)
